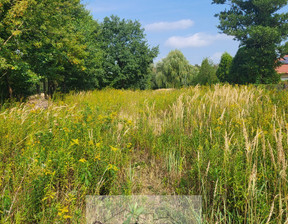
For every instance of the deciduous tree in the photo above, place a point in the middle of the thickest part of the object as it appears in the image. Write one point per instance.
(207, 73)
(127, 55)
(174, 71)
(16, 77)
(49, 42)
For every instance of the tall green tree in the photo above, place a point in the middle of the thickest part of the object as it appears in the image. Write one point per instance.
(16, 77)
(174, 71)
(53, 43)
(223, 70)
(261, 30)
(58, 44)
(207, 73)
(127, 55)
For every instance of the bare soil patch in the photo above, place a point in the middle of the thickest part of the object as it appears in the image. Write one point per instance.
(38, 101)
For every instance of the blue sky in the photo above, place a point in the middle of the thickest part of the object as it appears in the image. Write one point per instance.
(187, 25)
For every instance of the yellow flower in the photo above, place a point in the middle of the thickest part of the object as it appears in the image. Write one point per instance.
(112, 167)
(98, 157)
(113, 148)
(129, 145)
(67, 217)
(62, 211)
(82, 160)
(113, 115)
(90, 142)
(89, 118)
(98, 144)
(66, 129)
(75, 142)
(49, 195)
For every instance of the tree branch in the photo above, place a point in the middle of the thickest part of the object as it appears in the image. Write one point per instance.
(13, 33)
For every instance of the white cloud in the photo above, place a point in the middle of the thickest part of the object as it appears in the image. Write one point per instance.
(177, 25)
(196, 40)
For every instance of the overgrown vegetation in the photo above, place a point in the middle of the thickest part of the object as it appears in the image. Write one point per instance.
(225, 143)
(54, 45)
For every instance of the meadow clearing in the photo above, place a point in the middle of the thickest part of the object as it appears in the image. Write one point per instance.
(228, 144)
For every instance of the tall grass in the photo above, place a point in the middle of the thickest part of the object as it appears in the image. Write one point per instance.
(228, 144)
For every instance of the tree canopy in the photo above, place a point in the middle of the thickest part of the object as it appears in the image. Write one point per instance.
(47, 43)
(174, 71)
(207, 73)
(127, 55)
(57, 45)
(223, 70)
(261, 30)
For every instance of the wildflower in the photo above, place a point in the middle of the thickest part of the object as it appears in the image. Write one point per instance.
(49, 195)
(113, 148)
(129, 145)
(113, 115)
(67, 217)
(82, 160)
(98, 157)
(112, 167)
(62, 211)
(90, 142)
(89, 118)
(75, 142)
(98, 144)
(66, 129)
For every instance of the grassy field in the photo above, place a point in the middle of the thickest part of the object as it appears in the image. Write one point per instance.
(228, 144)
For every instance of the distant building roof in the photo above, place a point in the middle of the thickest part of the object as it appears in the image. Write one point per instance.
(284, 65)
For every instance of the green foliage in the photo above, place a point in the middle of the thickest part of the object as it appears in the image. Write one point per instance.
(207, 73)
(250, 70)
(223, 70)
(16, 77)
(174, 71)
(227, 144)
(86, 73)
(261, 30)
(127, 56)
(63, 44)
(47, 42)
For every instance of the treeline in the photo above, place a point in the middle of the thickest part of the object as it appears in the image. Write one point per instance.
(174, 71)
(57, 45)
(51, 45)
(262, 32)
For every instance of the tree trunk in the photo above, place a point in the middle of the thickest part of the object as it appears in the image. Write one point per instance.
(38, 88)
(45, 89)
(10, 90)
(50, 88)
